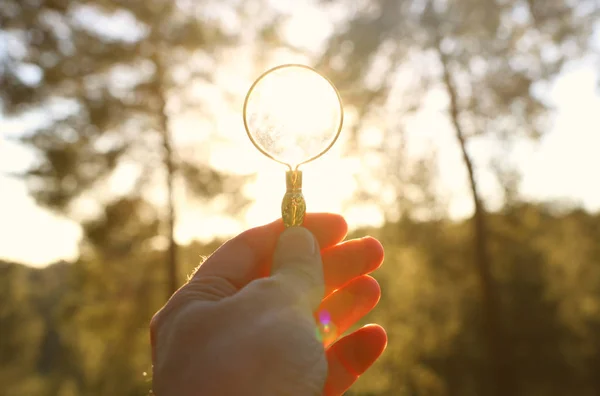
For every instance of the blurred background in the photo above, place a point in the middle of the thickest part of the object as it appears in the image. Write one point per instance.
(470, 149)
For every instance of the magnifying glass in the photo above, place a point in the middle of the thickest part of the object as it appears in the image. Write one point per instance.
(293, 115)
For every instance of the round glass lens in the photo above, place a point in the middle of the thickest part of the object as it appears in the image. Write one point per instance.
(293, 114)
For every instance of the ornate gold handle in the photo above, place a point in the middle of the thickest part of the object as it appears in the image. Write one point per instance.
(293, 206)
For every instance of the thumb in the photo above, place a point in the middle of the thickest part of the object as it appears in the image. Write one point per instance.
(298, 267)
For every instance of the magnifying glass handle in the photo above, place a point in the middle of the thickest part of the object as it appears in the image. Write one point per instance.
(293, 206)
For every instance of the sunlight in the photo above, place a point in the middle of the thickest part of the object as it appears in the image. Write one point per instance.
(303, 106)
(293, 114)
(32, 234)
(144, 146)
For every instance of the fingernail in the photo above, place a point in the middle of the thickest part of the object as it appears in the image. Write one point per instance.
(297, 242)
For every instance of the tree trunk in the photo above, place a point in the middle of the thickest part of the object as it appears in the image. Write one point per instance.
(172, 264)
(498, 346)
(169, 164)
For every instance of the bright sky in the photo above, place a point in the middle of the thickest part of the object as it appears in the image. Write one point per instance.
(564, 165)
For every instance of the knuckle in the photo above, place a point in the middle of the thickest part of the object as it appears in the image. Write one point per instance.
(271, 289)
(204, 290)
(210, 288)
(303, 274)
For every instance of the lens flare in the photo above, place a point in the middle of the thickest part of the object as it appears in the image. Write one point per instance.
(326, 329)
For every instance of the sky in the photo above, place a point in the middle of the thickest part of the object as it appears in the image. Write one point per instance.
(35, 236)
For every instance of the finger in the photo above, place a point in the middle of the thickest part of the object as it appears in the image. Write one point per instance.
(352, 356)
(248, 256)
(298, 268)
(340, 310)
(347, 260)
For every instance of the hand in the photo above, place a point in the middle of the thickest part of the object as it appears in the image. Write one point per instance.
(245, 324)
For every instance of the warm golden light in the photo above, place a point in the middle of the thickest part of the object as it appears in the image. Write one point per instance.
(293, 114)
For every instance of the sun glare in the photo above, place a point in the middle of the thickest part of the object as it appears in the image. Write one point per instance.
(293, 114)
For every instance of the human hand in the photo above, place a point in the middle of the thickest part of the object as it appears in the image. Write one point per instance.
(245, 323)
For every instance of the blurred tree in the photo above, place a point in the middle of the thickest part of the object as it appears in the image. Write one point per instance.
(32, 347)
(547, 271)
(20, 331)
(107, 97)
(490, 60)
(108, 335)
(548, 279)
(108, 81)
(109, 100)
(570, 248)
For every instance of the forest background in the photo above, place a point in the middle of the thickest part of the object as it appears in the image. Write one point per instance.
(468, 123)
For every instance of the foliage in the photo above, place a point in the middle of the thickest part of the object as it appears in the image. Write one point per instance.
(430, 298)
(104, 93)
(547, 266)
(109, 152)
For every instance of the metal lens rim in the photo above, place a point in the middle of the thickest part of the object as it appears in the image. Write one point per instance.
(290, 65)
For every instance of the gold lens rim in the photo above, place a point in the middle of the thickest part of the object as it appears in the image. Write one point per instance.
(263, 75)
